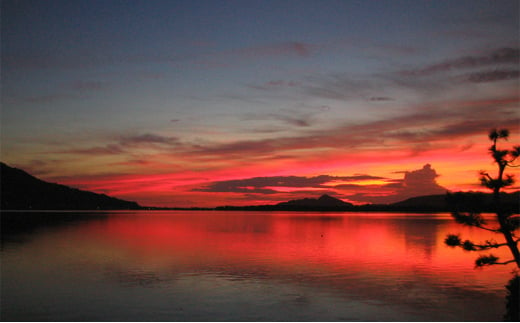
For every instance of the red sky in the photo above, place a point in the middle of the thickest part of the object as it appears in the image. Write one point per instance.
(223, 103)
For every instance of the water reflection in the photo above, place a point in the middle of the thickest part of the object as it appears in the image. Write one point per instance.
(257, 266)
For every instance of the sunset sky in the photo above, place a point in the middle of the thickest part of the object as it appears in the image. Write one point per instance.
(208, 103)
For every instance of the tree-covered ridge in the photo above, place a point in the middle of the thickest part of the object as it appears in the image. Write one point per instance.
(21, 191)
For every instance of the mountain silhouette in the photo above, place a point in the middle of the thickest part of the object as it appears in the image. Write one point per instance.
(324, 201)
(21, 191)
(460, 201)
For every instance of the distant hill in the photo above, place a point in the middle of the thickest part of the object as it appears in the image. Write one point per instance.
(461, 201)
(21, 191)
(323, 202)
(427, 203)
(455, 201)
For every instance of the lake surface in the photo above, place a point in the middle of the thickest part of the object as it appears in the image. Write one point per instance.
(244, 266)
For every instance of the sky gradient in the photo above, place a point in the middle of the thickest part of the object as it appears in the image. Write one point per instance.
(208, 103)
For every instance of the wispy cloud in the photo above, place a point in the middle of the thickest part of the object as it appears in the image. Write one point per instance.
(436, 122)
(109, 149)
(66, 91)
(125, 144)
(498, 56)
(295, 119)
(340, 86)
(230, 57)
(147, 138)
(493, 76)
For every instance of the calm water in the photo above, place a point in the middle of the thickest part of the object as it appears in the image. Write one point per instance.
(246, 266)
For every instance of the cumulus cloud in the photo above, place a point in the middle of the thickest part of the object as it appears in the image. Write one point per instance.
(414, 183)
(421, 182)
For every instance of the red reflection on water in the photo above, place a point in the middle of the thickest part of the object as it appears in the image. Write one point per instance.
(379, 245)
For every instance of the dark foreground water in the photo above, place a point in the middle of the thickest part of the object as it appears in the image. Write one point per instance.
(243, 266)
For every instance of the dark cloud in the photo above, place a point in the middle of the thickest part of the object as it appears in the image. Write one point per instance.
(240, 55)
(237, 148)
(110, 149)
(37, 167)
(453, 129)
(262, 182)
(301, 120)
(414, 183)
(493, 76)
(346, 86)
(428, 124)
(339, 87)
(222, 187)
(134, 162)
(267, 185)
(505, 55)
(148, 138)
(422, 180)
(122, 144)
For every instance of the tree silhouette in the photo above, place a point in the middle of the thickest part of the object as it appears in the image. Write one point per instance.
(507, 221)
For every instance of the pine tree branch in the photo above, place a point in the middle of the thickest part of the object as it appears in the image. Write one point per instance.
(488, 229)
(505, 262)
(489, 245)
